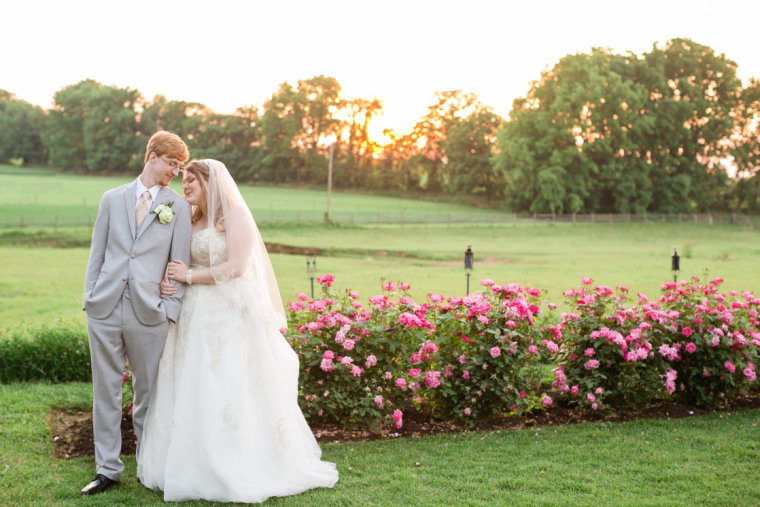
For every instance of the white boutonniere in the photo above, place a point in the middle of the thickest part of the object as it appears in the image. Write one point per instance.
(164, 212)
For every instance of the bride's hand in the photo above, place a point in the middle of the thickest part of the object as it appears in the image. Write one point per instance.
(177, 270)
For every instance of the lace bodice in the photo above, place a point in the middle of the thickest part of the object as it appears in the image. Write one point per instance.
(199, 248)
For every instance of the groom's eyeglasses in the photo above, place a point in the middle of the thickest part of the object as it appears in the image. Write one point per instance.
(174, 164)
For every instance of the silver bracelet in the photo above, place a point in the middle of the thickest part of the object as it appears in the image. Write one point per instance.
(189, 276)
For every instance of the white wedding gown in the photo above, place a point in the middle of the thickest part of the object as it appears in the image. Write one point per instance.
(224, 422)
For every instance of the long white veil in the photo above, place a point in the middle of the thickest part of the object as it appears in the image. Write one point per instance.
(246, 251)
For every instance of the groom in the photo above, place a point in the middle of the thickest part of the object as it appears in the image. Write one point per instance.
(140, 227)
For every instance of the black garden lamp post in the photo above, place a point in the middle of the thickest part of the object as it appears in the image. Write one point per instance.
(311, 270)
(468, 261)
(675, 264)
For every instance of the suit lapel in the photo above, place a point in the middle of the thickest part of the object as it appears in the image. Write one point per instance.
(130, 201)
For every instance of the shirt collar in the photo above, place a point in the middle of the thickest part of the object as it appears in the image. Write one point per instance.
(140, 188)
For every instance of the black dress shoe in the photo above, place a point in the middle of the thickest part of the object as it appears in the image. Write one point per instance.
(99, 484)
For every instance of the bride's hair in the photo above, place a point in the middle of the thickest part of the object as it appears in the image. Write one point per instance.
(201, 171)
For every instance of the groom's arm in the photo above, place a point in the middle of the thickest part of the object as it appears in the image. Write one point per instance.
(97, 248)
(180, 249)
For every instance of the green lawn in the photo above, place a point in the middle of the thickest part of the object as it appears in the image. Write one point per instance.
(41, 285)
(705, 460)
(44, 193)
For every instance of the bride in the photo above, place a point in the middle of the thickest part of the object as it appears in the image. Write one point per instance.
(224, 422)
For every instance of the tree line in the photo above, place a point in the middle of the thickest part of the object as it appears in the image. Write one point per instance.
(670, 131)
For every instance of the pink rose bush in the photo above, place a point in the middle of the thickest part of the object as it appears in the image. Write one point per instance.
(436, 357)
(690, 343)
(488, 353)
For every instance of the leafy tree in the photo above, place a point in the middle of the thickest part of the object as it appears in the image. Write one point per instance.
(604, 132)
(93, 128)
(695, 100)
(468, 149)
(294, 127)
(21, 126)
(745, 192)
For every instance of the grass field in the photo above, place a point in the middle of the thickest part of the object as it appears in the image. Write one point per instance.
(43, 284)
(704, 460)
(43, 193)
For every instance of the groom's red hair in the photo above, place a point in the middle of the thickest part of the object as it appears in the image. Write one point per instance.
(169, 144)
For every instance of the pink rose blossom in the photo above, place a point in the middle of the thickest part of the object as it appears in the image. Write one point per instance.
(687, 331)
(414, 372)
(487, 282)
(432, 379)
(591, 363)
(398, 417)
(590, 397)
(371, 361)
(379, 401)
(467, 411)
(574, 390)
(495, 352)
(390, 286)
(326, 365)
(329, 354)
(356, 371)
(749, 372)
(729, 366)
(546, 401)
(586, 280)
(326, 280)
(348, 344)
(403, 286)
(302, 296)
(401, 382)
(466, 375)
(691, 347)
(589, 352)
(532, 350)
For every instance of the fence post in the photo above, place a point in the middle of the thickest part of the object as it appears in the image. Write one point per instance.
(593, 218)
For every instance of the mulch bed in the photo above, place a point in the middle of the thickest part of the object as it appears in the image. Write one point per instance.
(72, 431)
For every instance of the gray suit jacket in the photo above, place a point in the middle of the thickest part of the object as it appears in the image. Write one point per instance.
(119, 255)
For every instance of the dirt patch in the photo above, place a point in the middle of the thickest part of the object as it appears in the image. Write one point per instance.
(72, 435)
(292, 250)
(72, 431)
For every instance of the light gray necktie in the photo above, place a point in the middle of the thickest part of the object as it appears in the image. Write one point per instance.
(142, 208)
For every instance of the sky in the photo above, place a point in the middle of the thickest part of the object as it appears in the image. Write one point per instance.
(227, 54)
